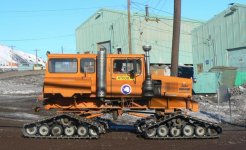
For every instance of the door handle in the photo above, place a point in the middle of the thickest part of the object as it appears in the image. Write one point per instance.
(113, 78)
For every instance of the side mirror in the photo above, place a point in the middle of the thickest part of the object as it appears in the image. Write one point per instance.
(132, 73)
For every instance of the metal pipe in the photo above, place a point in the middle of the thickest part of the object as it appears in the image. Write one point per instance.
(101, 73)
(148, 86)
(146, 49)
(146, 10)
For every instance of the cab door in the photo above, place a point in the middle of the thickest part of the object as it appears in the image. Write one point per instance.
(88, 75)
(126, 77)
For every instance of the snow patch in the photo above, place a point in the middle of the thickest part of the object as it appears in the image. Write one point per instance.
(9, 57)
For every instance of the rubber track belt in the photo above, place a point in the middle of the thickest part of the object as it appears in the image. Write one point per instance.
(184, 137)
(74, 116)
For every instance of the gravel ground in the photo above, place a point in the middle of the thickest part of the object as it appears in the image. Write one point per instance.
(18, 92)
(21, 83)
(232, 112)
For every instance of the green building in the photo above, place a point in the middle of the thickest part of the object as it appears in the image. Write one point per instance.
(109, 29)
(219, 46)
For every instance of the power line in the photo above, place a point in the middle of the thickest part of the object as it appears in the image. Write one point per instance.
(58, 10)
(37, 39)
(137, 7)
(162, 6)
(157, 4)
(147, 1)
(164, 11)
(150, 7)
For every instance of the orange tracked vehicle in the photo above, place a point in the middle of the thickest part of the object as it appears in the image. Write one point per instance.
(83, 87)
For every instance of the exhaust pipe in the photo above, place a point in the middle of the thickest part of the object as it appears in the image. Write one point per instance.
(101, 74)
(148, 86)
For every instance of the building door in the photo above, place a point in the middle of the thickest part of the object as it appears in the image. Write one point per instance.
(237, 58)
(104, 45)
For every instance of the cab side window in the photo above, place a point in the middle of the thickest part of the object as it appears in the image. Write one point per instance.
(62, 65)
(124, 66)
(87, 65)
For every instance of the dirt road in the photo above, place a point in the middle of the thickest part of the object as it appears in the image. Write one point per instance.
(10, 138)
(16, 110)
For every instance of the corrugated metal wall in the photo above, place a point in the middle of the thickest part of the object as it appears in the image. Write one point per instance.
(102, 26)
(158, 35)
(213, 41)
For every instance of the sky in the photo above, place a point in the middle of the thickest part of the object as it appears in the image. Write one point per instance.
(49, 25)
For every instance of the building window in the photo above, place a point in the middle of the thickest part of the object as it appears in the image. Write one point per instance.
(87, 65)
(199, 68)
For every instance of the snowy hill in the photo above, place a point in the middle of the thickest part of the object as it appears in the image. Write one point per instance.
(11, 59)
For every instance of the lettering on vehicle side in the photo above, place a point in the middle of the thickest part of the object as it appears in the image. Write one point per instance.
(123, 78)
(184, 89)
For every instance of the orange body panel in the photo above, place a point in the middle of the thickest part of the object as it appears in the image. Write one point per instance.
(77, 90)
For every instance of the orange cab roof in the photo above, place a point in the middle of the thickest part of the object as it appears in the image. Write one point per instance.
(93, 55)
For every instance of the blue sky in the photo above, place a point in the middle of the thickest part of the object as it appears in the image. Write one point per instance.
(50, 24)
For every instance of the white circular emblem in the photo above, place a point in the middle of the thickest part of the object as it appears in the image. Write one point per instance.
(126, 89)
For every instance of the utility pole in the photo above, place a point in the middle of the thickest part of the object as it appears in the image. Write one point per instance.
(36, 51)
(176, 38)
(12, 50)
(62, 49)
(129, 26)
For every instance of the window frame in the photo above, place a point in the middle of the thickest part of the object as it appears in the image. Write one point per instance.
(94, 65)
(62, 72)
(126, 60)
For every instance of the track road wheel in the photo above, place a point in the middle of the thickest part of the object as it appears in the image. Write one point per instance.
(150, 132)
(200, 131)
(162, 131)
(44, 130)
(188, 130)
(175, 132)
(212, 132)
(57, 130)
(93, 132)
(69, 130)
(82, 130)
(31, 130)
(66, 121)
